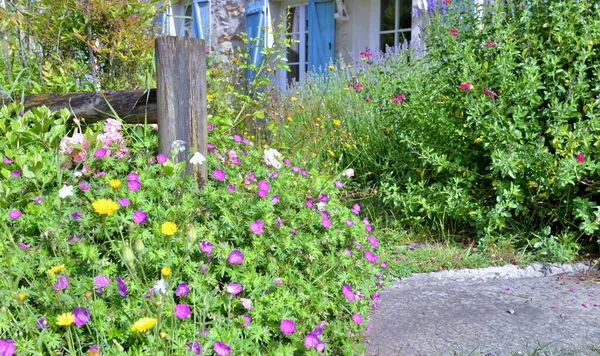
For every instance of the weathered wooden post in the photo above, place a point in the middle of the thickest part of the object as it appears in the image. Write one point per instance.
(181, 99)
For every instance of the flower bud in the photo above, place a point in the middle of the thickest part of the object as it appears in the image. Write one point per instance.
(128, 256)
(191, 236)
(139, 247)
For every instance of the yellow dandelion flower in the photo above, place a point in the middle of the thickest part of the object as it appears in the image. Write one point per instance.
(336, 122)
(143, 324)
(21, 297)
(331, 67)
(165, 271)
(65, 319)
(56, 269)
(209, 97)
(293, 98)
(105, 206)
(313, 155)
(168, 228)
(346, 89)
(331, 153)
(318, 119)
(349, 65)
(364, 59)
(287, 126)
(115, 183)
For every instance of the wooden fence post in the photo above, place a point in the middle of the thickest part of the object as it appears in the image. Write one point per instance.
(181, 99)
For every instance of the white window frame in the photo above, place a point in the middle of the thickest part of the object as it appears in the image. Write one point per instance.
(282, 77)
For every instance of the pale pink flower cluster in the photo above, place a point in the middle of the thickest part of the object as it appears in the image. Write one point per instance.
(67, 143)
(112, 137)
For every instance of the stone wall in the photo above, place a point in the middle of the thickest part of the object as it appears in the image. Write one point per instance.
(228, 21)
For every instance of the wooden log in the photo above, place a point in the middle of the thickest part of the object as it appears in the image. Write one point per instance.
(132, 106)
(181, 99)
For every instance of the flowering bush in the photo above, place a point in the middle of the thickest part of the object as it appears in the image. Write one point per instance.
(263, 259)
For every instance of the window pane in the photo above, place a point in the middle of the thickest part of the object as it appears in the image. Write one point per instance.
(388, 15)
(402, 36)
(294, 50)
(405, 14)
(293, 20)
(294, 74)
(386, 40)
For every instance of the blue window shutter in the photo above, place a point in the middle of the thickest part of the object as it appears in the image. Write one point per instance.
(321, 33)
(201, 19)
(255, 29)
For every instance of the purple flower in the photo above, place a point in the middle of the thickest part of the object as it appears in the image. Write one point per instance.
(326, 222)
(247, 321)
(133, 185)
(347, 292)
(16, 173)
(195, 345)
(273, 175)
(384, 264)
(210, 127)
(161, 158)
(139, 217)
(244, 152)
(246, 141)
(357, 318)
(319, 329)
(231, 188)
(293, 231)
(309, 204)
(210, 146)
(368, 228)
(278, 282)
(375, 296)
(7, 347)
(41, 323)
(101, 281)
(311, 340)
(295, 169)
(264, 185)
(278, 221)
(355, 209)
(287, 326)
(24, 246)
(133, 176)
(323, 197)
(349, 222)
(247, 303)
(124, 202)
(84, 185)
(15, 214)
(234, 288)
(338, 184)
(182, 311)
(236, 257)
(38, 199)
(62, 282)
(206, 247)
(7, 160)
(275, 199)
(286, 161)
(218, 174)
(82, 316)
(237, 138)
(203, 269)
(262, 193)
(303, 173)
(182, 290)
(75, 238)
(371, 257)
(100, 152)
(121, 286)
(348, 252)
(100, 174)
(221, 348)
(76, 215)
(93, 350)
(373, 241)
(257, 227)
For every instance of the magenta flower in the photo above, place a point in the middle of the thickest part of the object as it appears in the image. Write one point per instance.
(41, 323)
(16, 173)
(375, 296)
(286, 161)
(62, 282)
(84, 185)
(76, 215)
(93, 350)
(75, 238)
(580, 157)
(326, 222)
(210, 127)
(38, 199)
(231, 188)
(349, 222)
(133, 185)
(206, 247)
(133, 176)
(278, 221)
(373, 241)
(287, 326)
(263, 184)
(101, 281)
(7, 160)
(348, 252)
(182, 290)
(24, 246)
(262, 193)
(210, 146)
(357, 318)
(139, 217)
(303, 173)
(82, 316)
(234, 288)
(246, 141)
(347, 292)
(278, 282)
(247, 303)
(7, 347)
(338, 184)
(121, 286)
(221, 348)
(14, 214)
(465, 85)
(218, 174)
(491, 43)
(247, 320)
(371, 257)
(124, 202)
(236, 257)
(182, 311)
(355, 209)
(323, 197)
(454, 32)
(311, 340)
(237, 138)
(257, 227)
(195, 347)
(309, 204)
(275, 199)
(296, 169)
(161, 158)
(384, 264)
(100, 152)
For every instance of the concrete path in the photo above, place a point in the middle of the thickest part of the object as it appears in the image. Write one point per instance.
(494, 311)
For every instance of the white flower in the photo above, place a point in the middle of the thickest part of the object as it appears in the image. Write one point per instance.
(77, 174)
(271, 158)
(320, 206)
(160, 287)
(197, 158)
(178, 145)
(65, 191)
(349, 172)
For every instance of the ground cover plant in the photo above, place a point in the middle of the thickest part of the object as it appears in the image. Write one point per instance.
(489, 134)
(107, 249)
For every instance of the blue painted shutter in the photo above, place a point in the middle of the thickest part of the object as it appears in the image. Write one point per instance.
(255, 29)
(321, 33)
(201, 19)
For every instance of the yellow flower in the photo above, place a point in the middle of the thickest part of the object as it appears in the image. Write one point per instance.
(318, 119)
(478, 139)
(168, 228)
(56, 269)
(336, 122)
(346, 89)
(92, 352)
(349, 65)
(387, 129)
(164, 335)
(313, 155)
(143, 324)
(21, 297)
(65, 319)
(331, 153)
(105, 206)
(293, 98)
(165, 271)
(235, 60)
(364, 59)
(115, 183)
(268, 70)
(290, 119)
(297, 93)
(209, 97)
(331, 67)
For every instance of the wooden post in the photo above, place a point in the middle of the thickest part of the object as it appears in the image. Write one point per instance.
(181, 99)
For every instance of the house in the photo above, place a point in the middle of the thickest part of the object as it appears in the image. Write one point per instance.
(326, 30)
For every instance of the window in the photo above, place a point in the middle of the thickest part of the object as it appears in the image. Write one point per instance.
(396, 23)
(297, 54)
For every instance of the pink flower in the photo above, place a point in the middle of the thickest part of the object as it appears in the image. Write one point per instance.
(309, 204)
(161, 158)
(247, 303)
(82, 316)
(247, 320)
(257, 227)
(491, 44)
(326, 222)
(237, 138)
(262, 193)
(356, 318)
(453, 32)
(338, 184)
(311, 340)
(14, 214)
(206, 247)
(371, 257)
(221, 348)
(275, 199)
(287, 326)
(465, 85)
(447, 2)
(100, 152)
(6, 160)
(182, 290)
(234, 288)
(182, 311)
(580, 157)
(218, 174)
(133, 185)
(355, 209)
(236, 257)
(139, 217)
(264, 185)
(373, 241)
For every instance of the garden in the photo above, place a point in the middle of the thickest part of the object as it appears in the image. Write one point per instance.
(482, 149)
